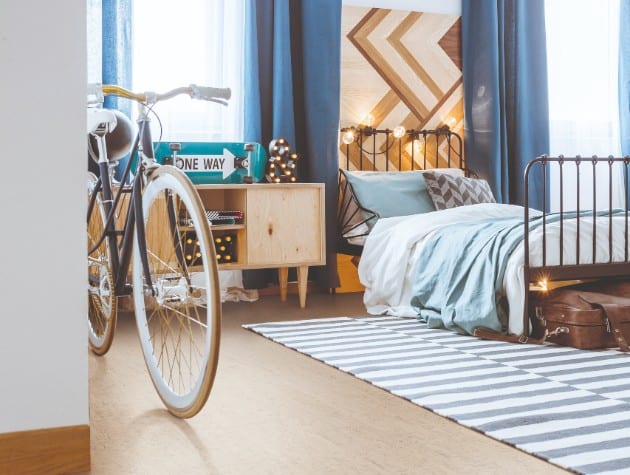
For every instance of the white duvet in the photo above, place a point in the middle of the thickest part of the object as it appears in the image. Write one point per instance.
(387, 266)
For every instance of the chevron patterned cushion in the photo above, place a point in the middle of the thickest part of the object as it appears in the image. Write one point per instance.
(450, 191)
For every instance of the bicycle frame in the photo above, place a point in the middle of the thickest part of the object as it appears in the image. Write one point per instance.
(121, 254)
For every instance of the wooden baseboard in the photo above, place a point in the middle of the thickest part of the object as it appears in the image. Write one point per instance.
(52, 451)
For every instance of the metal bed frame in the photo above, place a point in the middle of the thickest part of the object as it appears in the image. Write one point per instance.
(351, 215)
(580, 270)
(439, 147)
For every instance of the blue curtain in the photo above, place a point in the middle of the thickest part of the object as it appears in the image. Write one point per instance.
(116, 46)
(292, 84)
(505, 93)
(624, 76)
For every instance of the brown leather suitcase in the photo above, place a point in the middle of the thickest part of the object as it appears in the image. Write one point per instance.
(588, 316)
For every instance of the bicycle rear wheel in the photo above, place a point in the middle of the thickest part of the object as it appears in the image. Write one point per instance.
(179, 313)
(102, 301)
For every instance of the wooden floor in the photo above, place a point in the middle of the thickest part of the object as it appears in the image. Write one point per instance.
(275, 411)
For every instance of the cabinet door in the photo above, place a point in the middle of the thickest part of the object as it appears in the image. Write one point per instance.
(285, 225)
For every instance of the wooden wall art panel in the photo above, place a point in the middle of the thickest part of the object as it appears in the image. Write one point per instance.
(400, 68)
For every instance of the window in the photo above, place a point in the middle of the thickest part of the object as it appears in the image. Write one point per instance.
(582, 56)
(184, 42)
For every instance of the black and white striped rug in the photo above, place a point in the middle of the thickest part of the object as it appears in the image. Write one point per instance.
(567, 406)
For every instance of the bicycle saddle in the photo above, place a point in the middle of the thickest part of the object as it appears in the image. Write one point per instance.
(119, 134)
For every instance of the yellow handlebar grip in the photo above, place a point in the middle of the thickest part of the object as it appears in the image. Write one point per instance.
(113, 90)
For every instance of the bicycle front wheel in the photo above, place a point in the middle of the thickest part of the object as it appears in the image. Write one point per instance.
(102, 301)
(177, 302)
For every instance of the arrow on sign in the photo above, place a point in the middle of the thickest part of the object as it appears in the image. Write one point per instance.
(228, 165)
(208, 163)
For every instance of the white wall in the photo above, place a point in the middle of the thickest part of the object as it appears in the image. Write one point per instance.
(94, 43)
(43, 341)
(453, 7)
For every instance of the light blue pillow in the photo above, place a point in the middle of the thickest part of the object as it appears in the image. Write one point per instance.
(390, 193)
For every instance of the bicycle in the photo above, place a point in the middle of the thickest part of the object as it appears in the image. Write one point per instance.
(156, 228)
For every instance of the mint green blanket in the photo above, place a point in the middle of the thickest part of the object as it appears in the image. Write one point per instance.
(460, 272)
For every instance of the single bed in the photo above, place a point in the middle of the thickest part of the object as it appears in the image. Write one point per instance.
(407, 272)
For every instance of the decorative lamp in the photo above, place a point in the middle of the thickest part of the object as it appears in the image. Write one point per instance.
(399, 131)
(348, 136)
(281, 166)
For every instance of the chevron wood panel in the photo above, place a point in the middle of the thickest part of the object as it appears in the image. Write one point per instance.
(400, 67)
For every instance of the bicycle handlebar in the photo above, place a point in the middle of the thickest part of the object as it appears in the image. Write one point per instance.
(204, 93)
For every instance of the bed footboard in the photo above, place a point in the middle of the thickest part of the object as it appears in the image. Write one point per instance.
(583, 230)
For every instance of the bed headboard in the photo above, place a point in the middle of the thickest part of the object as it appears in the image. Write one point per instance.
(383, 150)
(367, 148)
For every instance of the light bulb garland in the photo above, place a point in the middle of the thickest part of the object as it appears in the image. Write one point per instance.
(359, 134)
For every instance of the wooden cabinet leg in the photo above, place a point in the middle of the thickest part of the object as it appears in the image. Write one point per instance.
(283, 277)
(302, 272)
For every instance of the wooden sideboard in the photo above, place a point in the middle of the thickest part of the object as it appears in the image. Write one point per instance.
(283, 226)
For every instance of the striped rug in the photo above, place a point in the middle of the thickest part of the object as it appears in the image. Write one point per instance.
(567, 406)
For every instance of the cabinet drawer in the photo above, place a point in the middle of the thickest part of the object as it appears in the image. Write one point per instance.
(285, 225)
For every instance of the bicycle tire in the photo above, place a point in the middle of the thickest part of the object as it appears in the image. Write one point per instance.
(102, 300)
(179, 317)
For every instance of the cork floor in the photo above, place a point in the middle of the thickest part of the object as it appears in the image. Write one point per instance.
(275, 411)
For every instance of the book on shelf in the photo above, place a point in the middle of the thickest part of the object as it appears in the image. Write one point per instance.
(222, 221)
(223, 217)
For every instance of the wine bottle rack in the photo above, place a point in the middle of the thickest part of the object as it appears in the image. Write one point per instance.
(224, 246)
